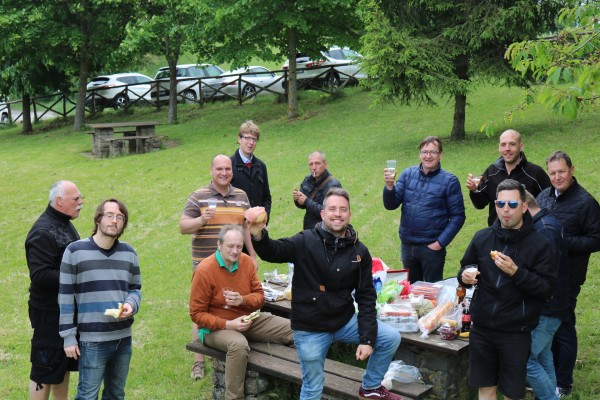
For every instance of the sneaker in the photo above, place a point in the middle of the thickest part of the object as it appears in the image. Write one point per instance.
(562, 392)
(379, 393)
(197, 370)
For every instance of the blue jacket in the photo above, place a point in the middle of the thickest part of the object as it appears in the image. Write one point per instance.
(432, 206)
(547, 225)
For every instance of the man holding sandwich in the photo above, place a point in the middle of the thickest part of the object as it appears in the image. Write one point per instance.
(226, 293)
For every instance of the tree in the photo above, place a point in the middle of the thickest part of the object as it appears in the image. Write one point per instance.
(167, 29)
(416, 49)
(268, 29)
(566, 63)
(52, 44)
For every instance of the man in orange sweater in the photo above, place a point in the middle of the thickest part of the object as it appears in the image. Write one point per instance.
(225, 290)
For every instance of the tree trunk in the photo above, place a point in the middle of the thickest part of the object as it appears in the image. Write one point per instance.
(79, 120)
(458, 126)
(292, 82)
(27, 127)
(461, 67)
(84, 65)
(172, 47)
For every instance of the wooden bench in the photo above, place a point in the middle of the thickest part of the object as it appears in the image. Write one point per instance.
(341, 380)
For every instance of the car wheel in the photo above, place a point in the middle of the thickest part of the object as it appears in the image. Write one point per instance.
(4, 119)
(248, 91)
(189, 96)
(120, 101)
(332, 80)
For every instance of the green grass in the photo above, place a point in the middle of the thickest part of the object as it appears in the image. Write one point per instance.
(357, 139)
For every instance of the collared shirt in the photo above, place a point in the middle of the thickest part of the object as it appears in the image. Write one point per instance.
(230, 210)
(222, 263)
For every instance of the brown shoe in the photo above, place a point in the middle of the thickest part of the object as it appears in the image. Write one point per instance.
(197, 370)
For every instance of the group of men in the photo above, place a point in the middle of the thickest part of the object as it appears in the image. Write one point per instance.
(73, 282)
(333, 270)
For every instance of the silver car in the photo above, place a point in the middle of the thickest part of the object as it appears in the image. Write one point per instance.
(188, 88)
(117, 90)
(249, 80)
(343, 60)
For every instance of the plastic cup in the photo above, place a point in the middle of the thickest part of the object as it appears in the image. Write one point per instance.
(212, 203)
(391, 166)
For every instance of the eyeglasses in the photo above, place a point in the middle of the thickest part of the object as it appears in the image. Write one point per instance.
(119, 217)
(429, 152)
(511, 203)
(249, 138)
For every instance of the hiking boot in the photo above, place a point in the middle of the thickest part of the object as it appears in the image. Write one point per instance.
(197, 370)
(379, 393)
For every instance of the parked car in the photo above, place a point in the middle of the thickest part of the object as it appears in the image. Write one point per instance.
(3, 113)
(187, 86)
(117, 90)
(250, 80)
(335, 57)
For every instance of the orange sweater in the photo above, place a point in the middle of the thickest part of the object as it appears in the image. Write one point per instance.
(206, 296)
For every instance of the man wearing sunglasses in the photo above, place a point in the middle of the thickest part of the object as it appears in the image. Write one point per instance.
(579, 214)
(516, 274)
(512, 164)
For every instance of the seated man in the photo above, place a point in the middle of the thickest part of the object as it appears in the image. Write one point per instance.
(329, 264)
(225, 289)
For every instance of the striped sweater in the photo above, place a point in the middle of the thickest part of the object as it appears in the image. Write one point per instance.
(93, 279)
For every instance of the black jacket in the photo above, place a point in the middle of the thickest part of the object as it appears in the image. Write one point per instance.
(314, 206)
(44, 247)
(326, 271)
(579, 214)
(510, 303)
(532, 176)
(254, 181)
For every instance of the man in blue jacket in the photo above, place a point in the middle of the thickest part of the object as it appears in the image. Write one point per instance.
(541, 374)
(433, 211)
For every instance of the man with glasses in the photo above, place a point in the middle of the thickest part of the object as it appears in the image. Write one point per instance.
(512, 164)
(98, 274)
(433, 211)
(313, 188)
(44, 248)
(203, 221)
(516, 270)
(579, 213)
(249, 172)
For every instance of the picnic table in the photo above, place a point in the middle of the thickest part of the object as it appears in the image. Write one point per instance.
(137, 138)
(442, 363)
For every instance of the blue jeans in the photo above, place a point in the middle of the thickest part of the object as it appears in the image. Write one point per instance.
(312, 348)
(423, 263)
(540, 366)
(108, 361)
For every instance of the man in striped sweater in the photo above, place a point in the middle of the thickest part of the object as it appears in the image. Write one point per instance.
(97, 274)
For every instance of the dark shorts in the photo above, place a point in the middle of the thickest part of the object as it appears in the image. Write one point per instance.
(499, 359)
(48, 360)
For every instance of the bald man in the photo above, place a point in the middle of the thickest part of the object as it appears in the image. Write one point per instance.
(512, 164)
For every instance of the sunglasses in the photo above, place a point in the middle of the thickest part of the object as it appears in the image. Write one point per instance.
(503, 203)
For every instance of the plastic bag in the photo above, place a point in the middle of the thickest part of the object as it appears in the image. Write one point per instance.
(432, 320)
(388, 292)
(399, 371)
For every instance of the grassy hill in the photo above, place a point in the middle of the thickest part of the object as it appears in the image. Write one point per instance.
(357, 139)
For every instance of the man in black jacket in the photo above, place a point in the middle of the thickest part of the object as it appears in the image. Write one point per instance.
(313, 188)
(512, 164)
(516, 273)
(330, 267)
(44, 248)
(579, 214)
(249, 172)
